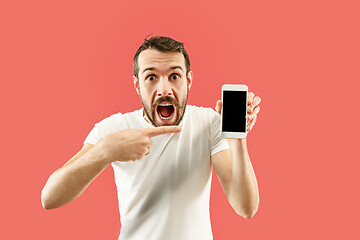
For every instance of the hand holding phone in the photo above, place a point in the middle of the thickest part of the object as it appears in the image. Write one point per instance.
(234, 109)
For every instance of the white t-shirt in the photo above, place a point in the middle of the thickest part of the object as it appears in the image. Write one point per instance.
(166, 194)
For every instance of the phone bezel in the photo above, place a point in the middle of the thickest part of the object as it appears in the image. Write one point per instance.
(233, 87)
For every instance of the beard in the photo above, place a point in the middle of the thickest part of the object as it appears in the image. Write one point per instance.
(179, 108)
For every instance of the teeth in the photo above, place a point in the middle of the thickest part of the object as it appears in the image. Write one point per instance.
(165, 118)
(165, 105)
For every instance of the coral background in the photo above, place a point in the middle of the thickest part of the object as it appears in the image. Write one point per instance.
(65, 65)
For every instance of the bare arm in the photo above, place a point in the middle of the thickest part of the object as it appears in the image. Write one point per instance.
(237, 177)
(234, 168)
(68, 182)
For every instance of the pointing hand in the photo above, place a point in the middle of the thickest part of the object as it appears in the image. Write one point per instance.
(132, 144)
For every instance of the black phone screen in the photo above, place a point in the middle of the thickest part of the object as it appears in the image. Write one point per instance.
(234, 111)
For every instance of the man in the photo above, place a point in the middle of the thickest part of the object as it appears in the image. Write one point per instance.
(162, 154)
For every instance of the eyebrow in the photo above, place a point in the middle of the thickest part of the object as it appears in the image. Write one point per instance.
(171, 68)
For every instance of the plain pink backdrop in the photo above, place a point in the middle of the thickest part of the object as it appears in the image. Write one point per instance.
(66, 65)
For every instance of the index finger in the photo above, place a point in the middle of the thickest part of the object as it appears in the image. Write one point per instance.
(153, 132)
(251, 96)
(256, 101)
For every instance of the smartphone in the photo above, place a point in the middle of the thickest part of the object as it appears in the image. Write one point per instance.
(234, 109)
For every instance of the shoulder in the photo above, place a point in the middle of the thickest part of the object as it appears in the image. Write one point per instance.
(202, 116)
(117, 118)
(132, 116)
(111, 120)
(117, 121)
(204, 120)
(202, 112)
(107, 126)
(104, 128)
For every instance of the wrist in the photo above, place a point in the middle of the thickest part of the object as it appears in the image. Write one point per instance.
(102, 153)
(237, 144)
(236, 141)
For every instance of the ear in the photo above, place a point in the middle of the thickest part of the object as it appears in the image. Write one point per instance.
(189, 79)
(136, 85)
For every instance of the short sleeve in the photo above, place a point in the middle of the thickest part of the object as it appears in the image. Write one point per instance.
(93, 136)
(104, 128)
(217, 142)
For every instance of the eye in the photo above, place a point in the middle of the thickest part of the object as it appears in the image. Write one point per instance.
(150, 77)
(174, 76)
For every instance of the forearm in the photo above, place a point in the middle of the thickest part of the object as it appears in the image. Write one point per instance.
(244, 192)
(68, 182)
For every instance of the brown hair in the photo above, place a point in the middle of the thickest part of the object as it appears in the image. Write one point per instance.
(163, 44)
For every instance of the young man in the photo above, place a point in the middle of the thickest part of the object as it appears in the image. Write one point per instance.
(162, 154)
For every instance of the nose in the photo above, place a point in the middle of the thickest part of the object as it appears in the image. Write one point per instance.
(164, 88)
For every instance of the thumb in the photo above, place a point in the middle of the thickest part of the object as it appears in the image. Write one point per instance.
(218, 106)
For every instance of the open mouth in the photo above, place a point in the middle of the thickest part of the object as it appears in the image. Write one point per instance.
(165, 111)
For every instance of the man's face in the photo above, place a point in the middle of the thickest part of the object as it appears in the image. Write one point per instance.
(163, 86)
